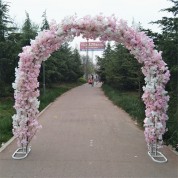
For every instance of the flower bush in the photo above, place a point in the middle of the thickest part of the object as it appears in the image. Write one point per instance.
(156, 72)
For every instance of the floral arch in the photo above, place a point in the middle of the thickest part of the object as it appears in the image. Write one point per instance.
(26, 85)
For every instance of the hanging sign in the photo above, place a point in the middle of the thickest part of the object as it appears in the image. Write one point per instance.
(92, 46)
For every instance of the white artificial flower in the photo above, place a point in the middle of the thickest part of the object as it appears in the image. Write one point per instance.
(148, 122)
(14, 86)
(154, 80)
(154, 114)
(160, 137)
(152, 96)
(152, 70)
(159, 125)
(60, 31)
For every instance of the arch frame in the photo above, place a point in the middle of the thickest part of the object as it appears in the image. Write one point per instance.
(155, 70)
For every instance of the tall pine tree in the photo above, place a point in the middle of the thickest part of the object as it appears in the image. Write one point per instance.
(45, 24)
(29, 31)
(167, 42)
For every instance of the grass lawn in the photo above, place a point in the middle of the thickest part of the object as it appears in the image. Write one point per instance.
(128, 101)
(6, 112)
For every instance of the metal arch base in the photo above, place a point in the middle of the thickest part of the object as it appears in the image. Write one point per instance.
(157, 156)
(21, 153)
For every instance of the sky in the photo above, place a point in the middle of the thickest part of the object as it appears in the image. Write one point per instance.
(143, 11)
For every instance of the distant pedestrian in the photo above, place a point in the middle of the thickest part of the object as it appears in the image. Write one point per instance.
(90, 81)
(96, 79)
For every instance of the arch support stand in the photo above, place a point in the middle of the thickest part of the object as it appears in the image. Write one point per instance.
(156, 155)
(21, 153)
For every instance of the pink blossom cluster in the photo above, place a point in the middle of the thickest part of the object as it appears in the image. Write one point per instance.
(107, 29)
(26, 85)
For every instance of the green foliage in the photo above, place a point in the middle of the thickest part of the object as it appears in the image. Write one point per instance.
(102, 63)
(171, 136)
(6, 112)
(119, 69)
(29, 31)
(82, 80)
(7, 51)
(88, 66)
(129, 101)
(45, 24)
(5, 21)
(167, 41)
(63, 66)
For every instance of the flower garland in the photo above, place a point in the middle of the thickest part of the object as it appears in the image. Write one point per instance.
(141, 46)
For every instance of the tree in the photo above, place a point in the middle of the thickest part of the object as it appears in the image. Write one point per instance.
(64, 65)
(167, 41)
(29, 31)
(119, 69)
(102, 62)
(5, 21)
(76, 64)
(7, 62)
(45, 24)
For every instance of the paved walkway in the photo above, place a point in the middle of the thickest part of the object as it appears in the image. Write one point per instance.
(85, 136)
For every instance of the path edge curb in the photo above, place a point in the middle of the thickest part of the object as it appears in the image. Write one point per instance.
(172, 149)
